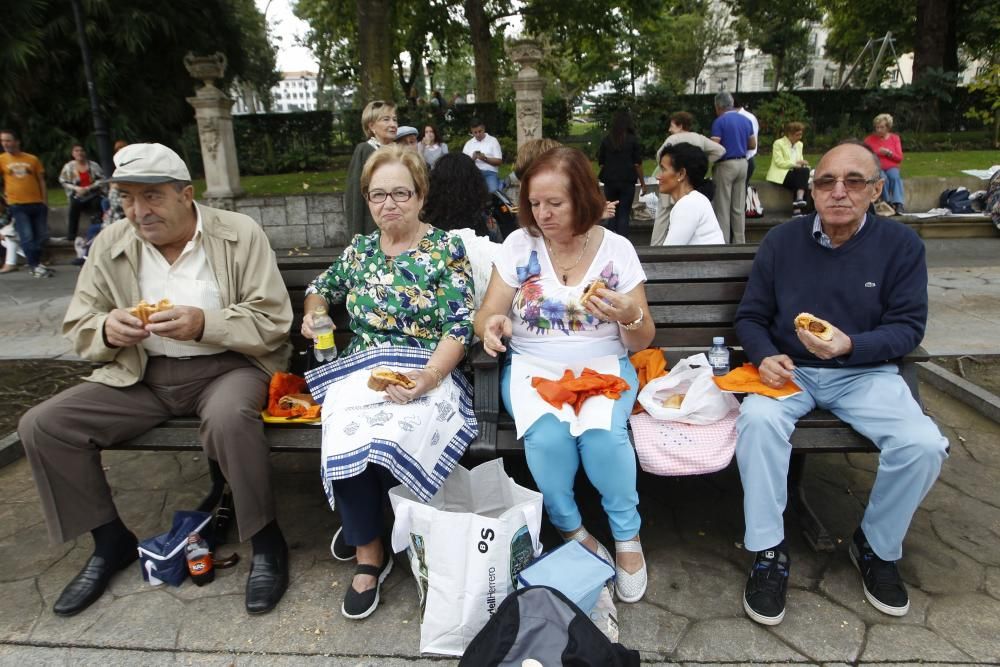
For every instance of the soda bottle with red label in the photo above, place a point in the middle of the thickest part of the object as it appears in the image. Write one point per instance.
(199, 560)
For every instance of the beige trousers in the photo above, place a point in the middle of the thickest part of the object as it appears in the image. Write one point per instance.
(730, 201)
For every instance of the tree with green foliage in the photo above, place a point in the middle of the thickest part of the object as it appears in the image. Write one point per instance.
(778, 28)
(137, 49)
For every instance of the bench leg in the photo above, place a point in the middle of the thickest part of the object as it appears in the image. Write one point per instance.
(219, 500)
(812, 528)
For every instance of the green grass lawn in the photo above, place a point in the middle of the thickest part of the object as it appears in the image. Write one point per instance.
(915, 164)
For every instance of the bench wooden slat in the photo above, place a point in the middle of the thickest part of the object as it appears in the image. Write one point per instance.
(693, 315)
(693, 337)
(699, 270)
(692, 292)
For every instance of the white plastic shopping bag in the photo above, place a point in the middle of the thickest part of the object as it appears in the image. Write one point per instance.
(467, 545)
(703, 402)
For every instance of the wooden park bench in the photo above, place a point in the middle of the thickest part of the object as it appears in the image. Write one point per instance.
(693, 292)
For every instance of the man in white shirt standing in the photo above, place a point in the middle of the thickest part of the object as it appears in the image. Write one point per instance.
(751, 152)
(485, 151)
(209, 352)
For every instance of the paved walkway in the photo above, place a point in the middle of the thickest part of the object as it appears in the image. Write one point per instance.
(692, 532)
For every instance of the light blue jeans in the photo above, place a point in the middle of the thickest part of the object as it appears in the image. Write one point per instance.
(554, 457)
(492, 180)
(893, 192)
(878, 404)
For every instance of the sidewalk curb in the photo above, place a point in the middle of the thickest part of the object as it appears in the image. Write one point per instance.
(959, 388)
(11, 449)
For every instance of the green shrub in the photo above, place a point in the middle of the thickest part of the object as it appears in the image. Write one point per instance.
(774, 113)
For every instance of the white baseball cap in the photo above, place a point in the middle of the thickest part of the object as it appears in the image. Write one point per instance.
(405, 131)
(149, 163)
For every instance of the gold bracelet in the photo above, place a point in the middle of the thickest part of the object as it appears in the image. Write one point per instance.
(437, 373)
(632, 326)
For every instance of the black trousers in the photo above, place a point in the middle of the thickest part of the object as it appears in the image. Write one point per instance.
(797, 178)
(360, 501)
(624, 194)
(76, 207)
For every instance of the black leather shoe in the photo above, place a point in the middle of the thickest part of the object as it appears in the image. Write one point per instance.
(267, 581)
(90, 584)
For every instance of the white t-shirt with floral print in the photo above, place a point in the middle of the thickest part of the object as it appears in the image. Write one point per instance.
(549, 320)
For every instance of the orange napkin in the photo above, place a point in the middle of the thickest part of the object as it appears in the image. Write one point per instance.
(746, 379)
(649, 364)
(283, 384)
(576, 390)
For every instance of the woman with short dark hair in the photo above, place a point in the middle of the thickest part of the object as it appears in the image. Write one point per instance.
(692, 219)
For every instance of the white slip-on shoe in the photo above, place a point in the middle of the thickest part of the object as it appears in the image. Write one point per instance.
(630, 587)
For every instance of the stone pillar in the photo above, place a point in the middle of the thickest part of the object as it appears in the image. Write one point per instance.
(528, 89)
(213, 111)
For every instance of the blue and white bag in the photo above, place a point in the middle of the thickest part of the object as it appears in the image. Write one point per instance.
(162, 557)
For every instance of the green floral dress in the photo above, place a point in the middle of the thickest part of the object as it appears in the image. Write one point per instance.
(415, 299)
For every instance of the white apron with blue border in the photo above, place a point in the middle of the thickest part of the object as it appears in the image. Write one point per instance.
(419, 442)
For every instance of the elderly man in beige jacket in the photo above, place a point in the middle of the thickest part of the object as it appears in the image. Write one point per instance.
(209, 354)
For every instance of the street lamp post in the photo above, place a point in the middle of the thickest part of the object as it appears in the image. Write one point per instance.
(431, 65)
(738, 54)
(100, 125)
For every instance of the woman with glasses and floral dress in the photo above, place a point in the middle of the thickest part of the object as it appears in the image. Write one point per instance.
(408, 290)
(378, 121)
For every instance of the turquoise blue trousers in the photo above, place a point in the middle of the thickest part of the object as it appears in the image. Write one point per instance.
(554, 456)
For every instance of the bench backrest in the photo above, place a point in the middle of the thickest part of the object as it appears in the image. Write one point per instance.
(693, 292)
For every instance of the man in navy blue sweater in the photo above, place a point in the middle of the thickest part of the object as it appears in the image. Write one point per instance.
(867, 276)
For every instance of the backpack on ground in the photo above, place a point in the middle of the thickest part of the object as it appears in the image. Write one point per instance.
(754, 208)
(956, 200)
(540, 623)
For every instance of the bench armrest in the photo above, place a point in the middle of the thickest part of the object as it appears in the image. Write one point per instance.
(478, 358)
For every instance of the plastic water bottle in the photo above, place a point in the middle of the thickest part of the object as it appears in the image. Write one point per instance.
(718, 356)
(199, 559)
(325, 347)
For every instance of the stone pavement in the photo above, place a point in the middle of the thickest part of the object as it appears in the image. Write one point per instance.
(692, 533)
(691, 614)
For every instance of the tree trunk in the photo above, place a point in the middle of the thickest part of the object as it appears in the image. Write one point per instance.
(935, 37)
(779, 70)
(482, 51)
(375, 49)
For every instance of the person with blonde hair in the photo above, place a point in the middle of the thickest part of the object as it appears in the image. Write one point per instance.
(789, 167)
(889, 149)
(378, 121)
(408, 290)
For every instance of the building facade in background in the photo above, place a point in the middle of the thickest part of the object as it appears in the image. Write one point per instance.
(295, 92)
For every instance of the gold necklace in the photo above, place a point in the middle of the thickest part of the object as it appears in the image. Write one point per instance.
(565, 269)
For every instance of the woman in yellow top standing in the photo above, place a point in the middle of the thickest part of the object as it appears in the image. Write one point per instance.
(788, 166)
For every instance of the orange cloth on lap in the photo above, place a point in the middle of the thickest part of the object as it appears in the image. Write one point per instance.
(746, 379)
(576, 390)
(649, 364)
